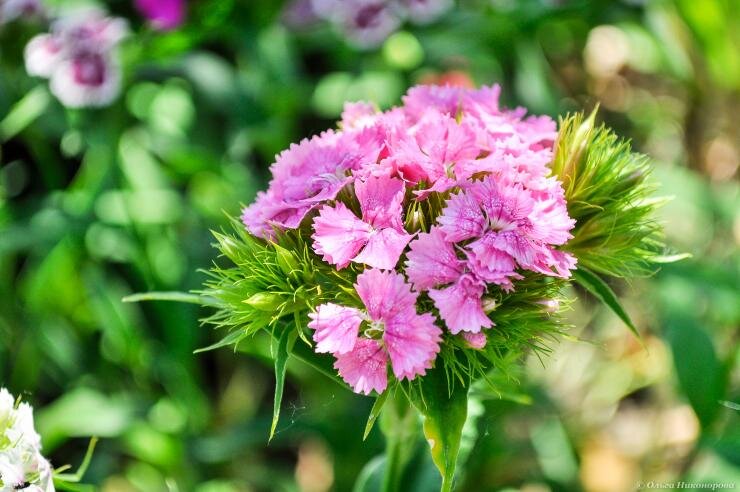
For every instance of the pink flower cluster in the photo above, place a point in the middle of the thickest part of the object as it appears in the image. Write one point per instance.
(362, 191)
(79, 58)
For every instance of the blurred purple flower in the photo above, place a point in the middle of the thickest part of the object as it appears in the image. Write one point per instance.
(425, 11)
(163, 14)
(367, 23)
(79, 58)
(16, 9)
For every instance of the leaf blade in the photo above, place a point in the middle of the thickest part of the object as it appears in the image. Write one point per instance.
(284, 347)
(375, 412)
(596, 286)
(445, 413)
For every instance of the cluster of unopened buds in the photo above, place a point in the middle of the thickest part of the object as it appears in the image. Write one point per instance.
(79, 56)
(22, 466)
(367, 190)
(366, 23)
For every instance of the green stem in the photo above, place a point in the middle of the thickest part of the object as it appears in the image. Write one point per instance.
(393, 465)
(399, 423)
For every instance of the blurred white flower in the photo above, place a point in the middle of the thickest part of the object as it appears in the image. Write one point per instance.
(43, 53)
(425, 11)
(87, 79)
(80, 58)
(22, 466)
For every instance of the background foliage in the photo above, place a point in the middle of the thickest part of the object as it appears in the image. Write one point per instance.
(96, 205)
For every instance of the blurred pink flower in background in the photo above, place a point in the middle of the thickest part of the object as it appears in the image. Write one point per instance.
(79, 58)
(163, 14)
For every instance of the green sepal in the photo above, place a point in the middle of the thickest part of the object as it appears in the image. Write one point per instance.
(596, 286)
(445, 411)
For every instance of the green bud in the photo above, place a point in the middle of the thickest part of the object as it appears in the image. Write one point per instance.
(286, 260)
(264, 301)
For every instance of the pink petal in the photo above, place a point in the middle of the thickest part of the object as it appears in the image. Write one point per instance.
(412, 344)
(432, 261)
(504, 205)
(336, 328)
(385, 294)
(339, 234)
(383, 249)
(550, 222)
(461, 218)
(475, 341)
(365, 367)
(460, 305)
(524, 250)
(381, 200)
(490, 263)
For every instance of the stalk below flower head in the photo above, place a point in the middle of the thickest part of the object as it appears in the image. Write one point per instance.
(22, 466)
(79, 57)
(441, 205)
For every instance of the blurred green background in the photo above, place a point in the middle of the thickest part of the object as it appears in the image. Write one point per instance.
(99, 204)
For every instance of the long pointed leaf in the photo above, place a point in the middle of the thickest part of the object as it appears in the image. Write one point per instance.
(596, 286)
(444, 414)
(285, 345)
(170, 296)
(375, 412)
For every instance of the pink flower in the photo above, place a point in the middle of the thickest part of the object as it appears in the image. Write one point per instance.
(339, 235)
(395, 333)
(432, 152)
(501, 218)
(336, 328)
(163, 14)
(432, 261)
(365, 367)
(460, 305)
(305, 175)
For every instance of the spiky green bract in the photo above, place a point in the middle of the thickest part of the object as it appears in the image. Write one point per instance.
(265, 282)
(610, 196)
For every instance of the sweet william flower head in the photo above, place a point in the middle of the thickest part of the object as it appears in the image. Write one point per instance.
(431, 213)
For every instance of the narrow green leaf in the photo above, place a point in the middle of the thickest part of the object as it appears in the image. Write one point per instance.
(231, 339)
(596, 286)
(170, 296)
(284, 347)
(23, 113)
(670, 258)
(444, 414)
(375, 412)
